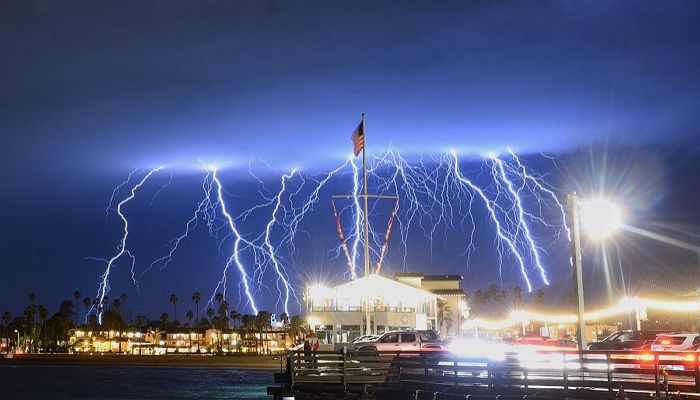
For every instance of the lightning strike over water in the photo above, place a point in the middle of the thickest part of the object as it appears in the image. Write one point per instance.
(104, 284)
(271, 248)
(235, 257)
(438, 200)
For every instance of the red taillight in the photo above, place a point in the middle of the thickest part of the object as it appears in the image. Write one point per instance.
(665, 342)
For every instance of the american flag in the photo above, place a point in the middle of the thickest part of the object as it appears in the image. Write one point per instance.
(358, 138)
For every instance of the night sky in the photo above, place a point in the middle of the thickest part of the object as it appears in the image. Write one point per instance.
(598, 96)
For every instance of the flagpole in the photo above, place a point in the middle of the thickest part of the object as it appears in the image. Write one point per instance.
(366, 218)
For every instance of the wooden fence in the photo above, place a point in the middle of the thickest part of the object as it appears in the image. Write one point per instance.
(657, 372)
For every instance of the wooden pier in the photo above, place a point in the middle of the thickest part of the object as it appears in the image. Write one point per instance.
(548, 374)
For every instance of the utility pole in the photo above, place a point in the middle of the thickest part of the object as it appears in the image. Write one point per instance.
(575, 222)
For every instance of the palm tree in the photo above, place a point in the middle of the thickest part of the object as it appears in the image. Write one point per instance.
(235, 316)
(517, 297)
(539, 297)
(197, 297)
(92, 322)
(444, 315)
(87, 302)
(6, 319)
(248, 325)
(76, 295)
(210, 314)
(164, 319)
(448, 320)
(492, 292)
(263, 322)
(189, 316)
(296, 327)
(223, 320)
(43, 315)
(173, 299)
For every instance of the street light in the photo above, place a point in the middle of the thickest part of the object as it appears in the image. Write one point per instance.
(599, 218)
(17, 344)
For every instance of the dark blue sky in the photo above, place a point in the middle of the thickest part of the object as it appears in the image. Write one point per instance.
(91, 90)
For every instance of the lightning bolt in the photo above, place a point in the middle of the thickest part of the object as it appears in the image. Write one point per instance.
(521, 223)
(204, 209)
(271, 248)
(104, 284)
(437, 198)
(235, 257)
(541, 186)
(490, 206)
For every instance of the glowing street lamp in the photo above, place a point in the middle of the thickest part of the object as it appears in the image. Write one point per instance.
(599, 219)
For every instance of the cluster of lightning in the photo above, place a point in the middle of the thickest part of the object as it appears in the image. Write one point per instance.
(436, 196)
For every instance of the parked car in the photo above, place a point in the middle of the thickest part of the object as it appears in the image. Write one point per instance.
(541, 341)
(676, 342)
(409, 340)
(626, 340)
(365, 338)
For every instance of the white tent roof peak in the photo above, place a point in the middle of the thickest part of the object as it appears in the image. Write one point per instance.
(378, 287)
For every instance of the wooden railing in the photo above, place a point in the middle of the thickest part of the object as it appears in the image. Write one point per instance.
(553, 369)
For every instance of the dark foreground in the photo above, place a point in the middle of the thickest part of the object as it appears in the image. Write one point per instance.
(63, 382)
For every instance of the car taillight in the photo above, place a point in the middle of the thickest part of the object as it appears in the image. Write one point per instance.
(665, 342)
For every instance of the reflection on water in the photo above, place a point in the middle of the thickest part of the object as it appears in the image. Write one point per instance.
(98, 382)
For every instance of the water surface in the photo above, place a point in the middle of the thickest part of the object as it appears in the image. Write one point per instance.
(100, 382)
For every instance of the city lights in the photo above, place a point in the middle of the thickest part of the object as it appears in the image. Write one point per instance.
(625, 305)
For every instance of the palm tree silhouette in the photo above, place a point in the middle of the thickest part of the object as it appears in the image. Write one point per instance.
(76, 295)
(189, 316)
(197, 297)
(173, 299)
(296, 327)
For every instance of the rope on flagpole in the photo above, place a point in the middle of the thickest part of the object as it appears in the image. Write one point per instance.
(343, 241)
(386, 237)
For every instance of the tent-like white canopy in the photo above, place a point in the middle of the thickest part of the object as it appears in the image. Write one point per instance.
(376, 288)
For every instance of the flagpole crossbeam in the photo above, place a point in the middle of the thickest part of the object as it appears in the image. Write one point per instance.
(371, 196)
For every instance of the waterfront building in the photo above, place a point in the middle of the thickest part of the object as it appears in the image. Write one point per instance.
(411, 301)
(452, 309)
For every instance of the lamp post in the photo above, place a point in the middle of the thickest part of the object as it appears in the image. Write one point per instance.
(17, 344)
(600, 219)
(576, 261)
